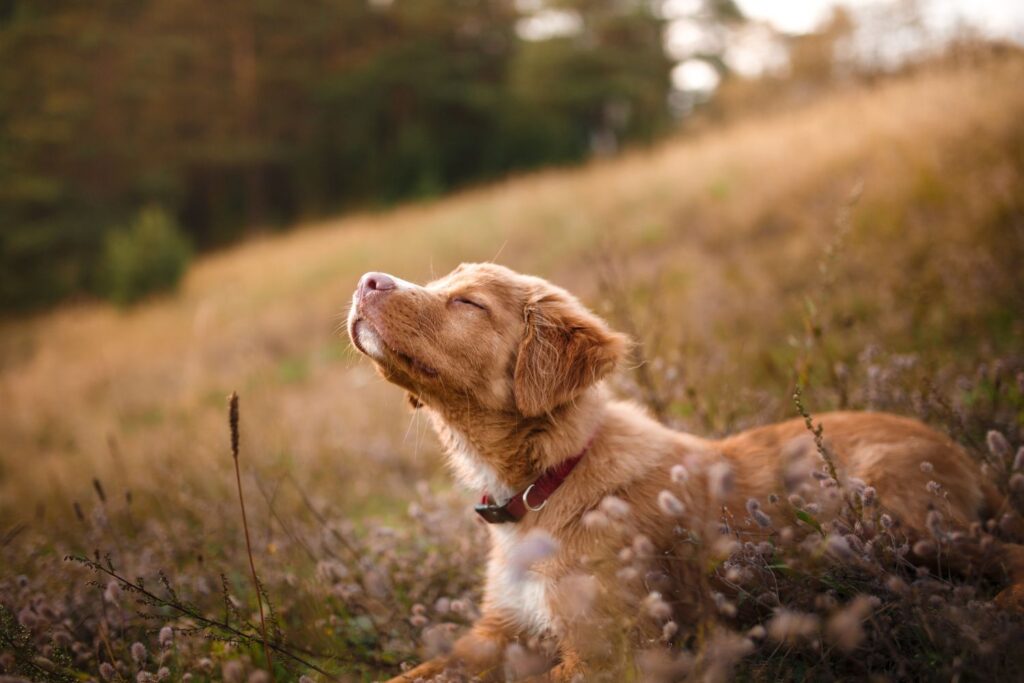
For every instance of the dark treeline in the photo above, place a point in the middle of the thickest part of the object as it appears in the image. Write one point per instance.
(235, 114)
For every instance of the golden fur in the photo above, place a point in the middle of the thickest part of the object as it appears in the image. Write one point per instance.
(509, 368)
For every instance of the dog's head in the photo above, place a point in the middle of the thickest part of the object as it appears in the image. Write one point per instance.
(482, 338)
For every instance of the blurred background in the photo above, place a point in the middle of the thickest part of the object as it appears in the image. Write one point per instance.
(136, 134)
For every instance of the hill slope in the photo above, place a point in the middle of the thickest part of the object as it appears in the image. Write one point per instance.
(728, 227)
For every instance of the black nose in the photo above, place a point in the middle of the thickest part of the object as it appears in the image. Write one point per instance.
(375, 282)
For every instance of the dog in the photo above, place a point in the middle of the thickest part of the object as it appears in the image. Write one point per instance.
(509, 368)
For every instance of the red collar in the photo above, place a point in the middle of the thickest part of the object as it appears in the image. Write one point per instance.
(533, 497)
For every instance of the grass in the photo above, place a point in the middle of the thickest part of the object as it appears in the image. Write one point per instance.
(867, 246)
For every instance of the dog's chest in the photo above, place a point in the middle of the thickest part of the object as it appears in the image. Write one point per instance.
(522, 595)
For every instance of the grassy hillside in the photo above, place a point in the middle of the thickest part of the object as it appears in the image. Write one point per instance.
(869, 244)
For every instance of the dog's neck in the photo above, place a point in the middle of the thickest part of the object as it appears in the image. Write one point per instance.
(503, 453)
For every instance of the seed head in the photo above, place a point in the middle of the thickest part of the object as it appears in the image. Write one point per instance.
(166, 636)
(670, 505)
(233, 422)
(720, 480)
(615, 507)
(138, 652)
(998, 446)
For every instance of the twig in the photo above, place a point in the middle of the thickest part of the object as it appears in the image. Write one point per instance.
(192, 613)
(233, 423)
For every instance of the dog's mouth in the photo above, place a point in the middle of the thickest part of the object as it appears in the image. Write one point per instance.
(370, 342)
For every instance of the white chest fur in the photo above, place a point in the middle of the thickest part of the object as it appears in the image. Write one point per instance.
(522, 595)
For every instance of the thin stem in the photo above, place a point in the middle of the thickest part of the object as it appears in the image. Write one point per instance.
(233, 423)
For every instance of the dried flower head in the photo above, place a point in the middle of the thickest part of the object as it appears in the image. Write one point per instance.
(721, 480)
(670, 505)
(615, 507)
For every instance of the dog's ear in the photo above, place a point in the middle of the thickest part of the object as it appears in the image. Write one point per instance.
(414, 400)
(564, 350)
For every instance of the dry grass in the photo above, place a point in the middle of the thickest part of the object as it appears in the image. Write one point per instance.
(728, 253)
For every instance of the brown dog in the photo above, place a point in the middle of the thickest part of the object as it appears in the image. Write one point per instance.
(509, 368)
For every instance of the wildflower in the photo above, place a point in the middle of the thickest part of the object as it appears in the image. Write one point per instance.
(679, 474)
(754, 510)
(536, 546)
(885, 520)
(627, 575)
(1016, 483)
(656, 607)
(112, 594)
(163, 673)
(166, 636)
(1018, 460)
(838, 546)
(138, 651)
(934, 487)
(796, 500)
(28, 618)
(721, 480)
(998, 446)
(757, 632)
(442, 605)
(724, 607)
(927, 467)
(626, 555)
(259, 676)
(789, 626)
(595, 519)
(522, 663)
(232, 671)
(642, 546)
(670, 505)
(844, 628)
(107, 671)
(869, 495)
(615, 507)
(924, 548)
(145, 677)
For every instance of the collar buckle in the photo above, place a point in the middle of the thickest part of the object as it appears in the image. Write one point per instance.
(495, 514)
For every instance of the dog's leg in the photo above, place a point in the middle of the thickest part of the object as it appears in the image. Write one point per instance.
(479, 653)
(1012, 597)
(425, 671)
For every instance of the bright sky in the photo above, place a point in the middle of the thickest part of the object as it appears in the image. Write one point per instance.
(757, 50)
(1002, 18)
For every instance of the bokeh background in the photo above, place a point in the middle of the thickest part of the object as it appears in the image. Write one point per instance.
(763, 194)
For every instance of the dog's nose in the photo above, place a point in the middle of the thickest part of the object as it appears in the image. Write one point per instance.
(375, 282)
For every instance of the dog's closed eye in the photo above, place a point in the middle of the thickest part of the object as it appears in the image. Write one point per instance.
(469, 302)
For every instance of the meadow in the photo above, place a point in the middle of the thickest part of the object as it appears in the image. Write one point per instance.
(866, 247)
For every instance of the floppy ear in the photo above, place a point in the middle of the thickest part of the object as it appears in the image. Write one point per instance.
(566, 349)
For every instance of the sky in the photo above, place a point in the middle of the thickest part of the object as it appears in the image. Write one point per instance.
(757, 49)
(998, 18)
(876, 37)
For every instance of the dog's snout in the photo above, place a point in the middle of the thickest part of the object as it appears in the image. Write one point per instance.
(376, 282)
